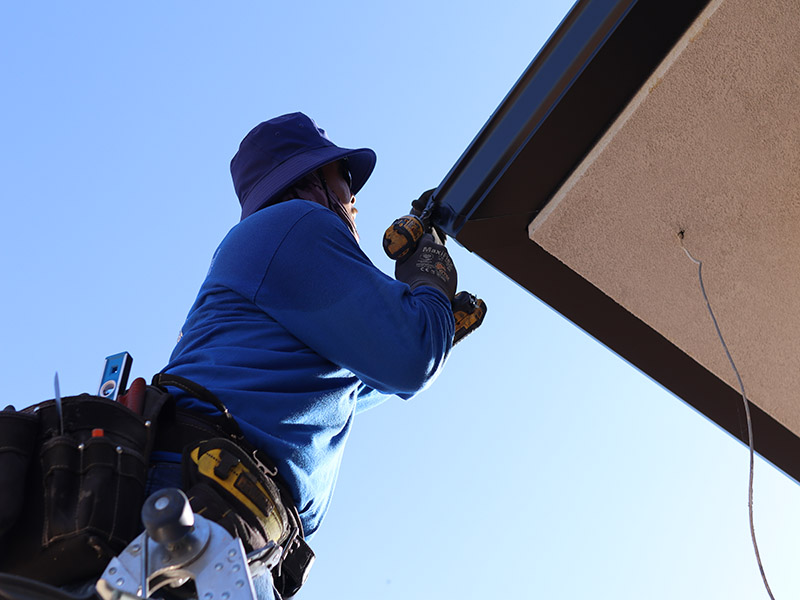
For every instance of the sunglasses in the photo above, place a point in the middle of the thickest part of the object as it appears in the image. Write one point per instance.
(344, 167)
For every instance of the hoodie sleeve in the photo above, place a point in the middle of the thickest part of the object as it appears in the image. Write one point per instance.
(325, 291)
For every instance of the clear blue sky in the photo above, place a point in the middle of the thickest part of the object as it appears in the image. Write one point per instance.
(539, 465)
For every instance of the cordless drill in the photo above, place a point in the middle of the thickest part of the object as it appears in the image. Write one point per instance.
(403, 235)
(401, 239)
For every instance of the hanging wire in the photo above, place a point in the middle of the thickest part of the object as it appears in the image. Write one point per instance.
(699, 264)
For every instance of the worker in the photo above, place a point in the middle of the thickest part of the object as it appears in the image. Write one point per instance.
(294, 331)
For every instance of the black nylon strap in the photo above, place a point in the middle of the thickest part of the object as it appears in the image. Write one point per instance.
(201, 393)
(230, 428)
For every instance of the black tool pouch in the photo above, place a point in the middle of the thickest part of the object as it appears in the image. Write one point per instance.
(83, 495)
(18, 433)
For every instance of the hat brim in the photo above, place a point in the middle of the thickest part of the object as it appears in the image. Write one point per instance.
(361, 162)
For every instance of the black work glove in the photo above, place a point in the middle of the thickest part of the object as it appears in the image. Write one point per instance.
(430, 264)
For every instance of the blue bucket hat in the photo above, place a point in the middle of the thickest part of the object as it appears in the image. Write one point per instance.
(280, 151)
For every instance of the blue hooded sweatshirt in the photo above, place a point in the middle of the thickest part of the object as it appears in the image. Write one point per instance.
(296, 331)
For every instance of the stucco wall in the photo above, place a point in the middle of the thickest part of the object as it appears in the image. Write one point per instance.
(710, 146)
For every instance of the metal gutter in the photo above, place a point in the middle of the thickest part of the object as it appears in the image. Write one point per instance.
(551, 73)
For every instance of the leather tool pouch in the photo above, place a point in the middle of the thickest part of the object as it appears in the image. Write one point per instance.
(226, 485)
(17, 443)
(217, 473)
(82, 495)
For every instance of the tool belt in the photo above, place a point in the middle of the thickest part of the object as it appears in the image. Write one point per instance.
(235, 484)
(72, 485)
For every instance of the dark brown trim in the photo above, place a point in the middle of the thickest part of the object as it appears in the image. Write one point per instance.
(643, 347)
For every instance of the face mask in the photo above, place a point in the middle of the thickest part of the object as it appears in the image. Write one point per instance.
(313, 188)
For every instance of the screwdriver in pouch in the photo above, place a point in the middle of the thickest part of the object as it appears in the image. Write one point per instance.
(59, 408)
